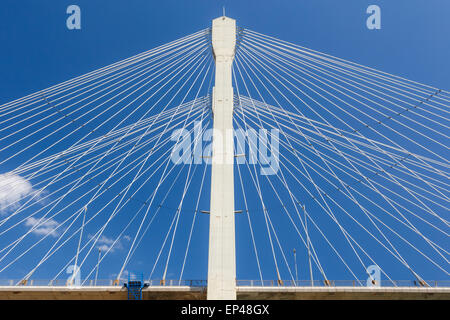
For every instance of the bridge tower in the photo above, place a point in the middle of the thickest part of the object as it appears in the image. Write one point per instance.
(222, 251)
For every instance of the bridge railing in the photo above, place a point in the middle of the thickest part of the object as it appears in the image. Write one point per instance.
(99, 282)
(342, 283)
(57, 282)
(240, 283)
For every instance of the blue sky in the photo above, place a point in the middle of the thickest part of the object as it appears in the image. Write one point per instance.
(38, 51)
(36, 42)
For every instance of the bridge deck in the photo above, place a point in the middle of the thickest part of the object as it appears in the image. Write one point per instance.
(243, 293)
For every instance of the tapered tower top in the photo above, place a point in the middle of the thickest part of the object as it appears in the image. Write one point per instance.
(224, 36)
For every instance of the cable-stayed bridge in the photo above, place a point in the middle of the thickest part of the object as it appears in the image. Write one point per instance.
(263, 168)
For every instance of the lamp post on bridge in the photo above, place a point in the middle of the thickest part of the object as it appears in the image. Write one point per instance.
(296, 270)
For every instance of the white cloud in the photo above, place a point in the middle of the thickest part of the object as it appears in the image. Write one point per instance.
(44, 227)
(104, 243)
(12, 189)
(123, 276)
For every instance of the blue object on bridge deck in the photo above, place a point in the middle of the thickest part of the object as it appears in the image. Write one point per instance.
(134, 286)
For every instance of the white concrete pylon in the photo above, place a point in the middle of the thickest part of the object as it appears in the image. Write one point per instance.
(222, 251)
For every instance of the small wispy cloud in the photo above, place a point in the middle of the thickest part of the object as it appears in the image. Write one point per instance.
(123, 276)
(13, 188)
(104, 243)
(43, 227)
